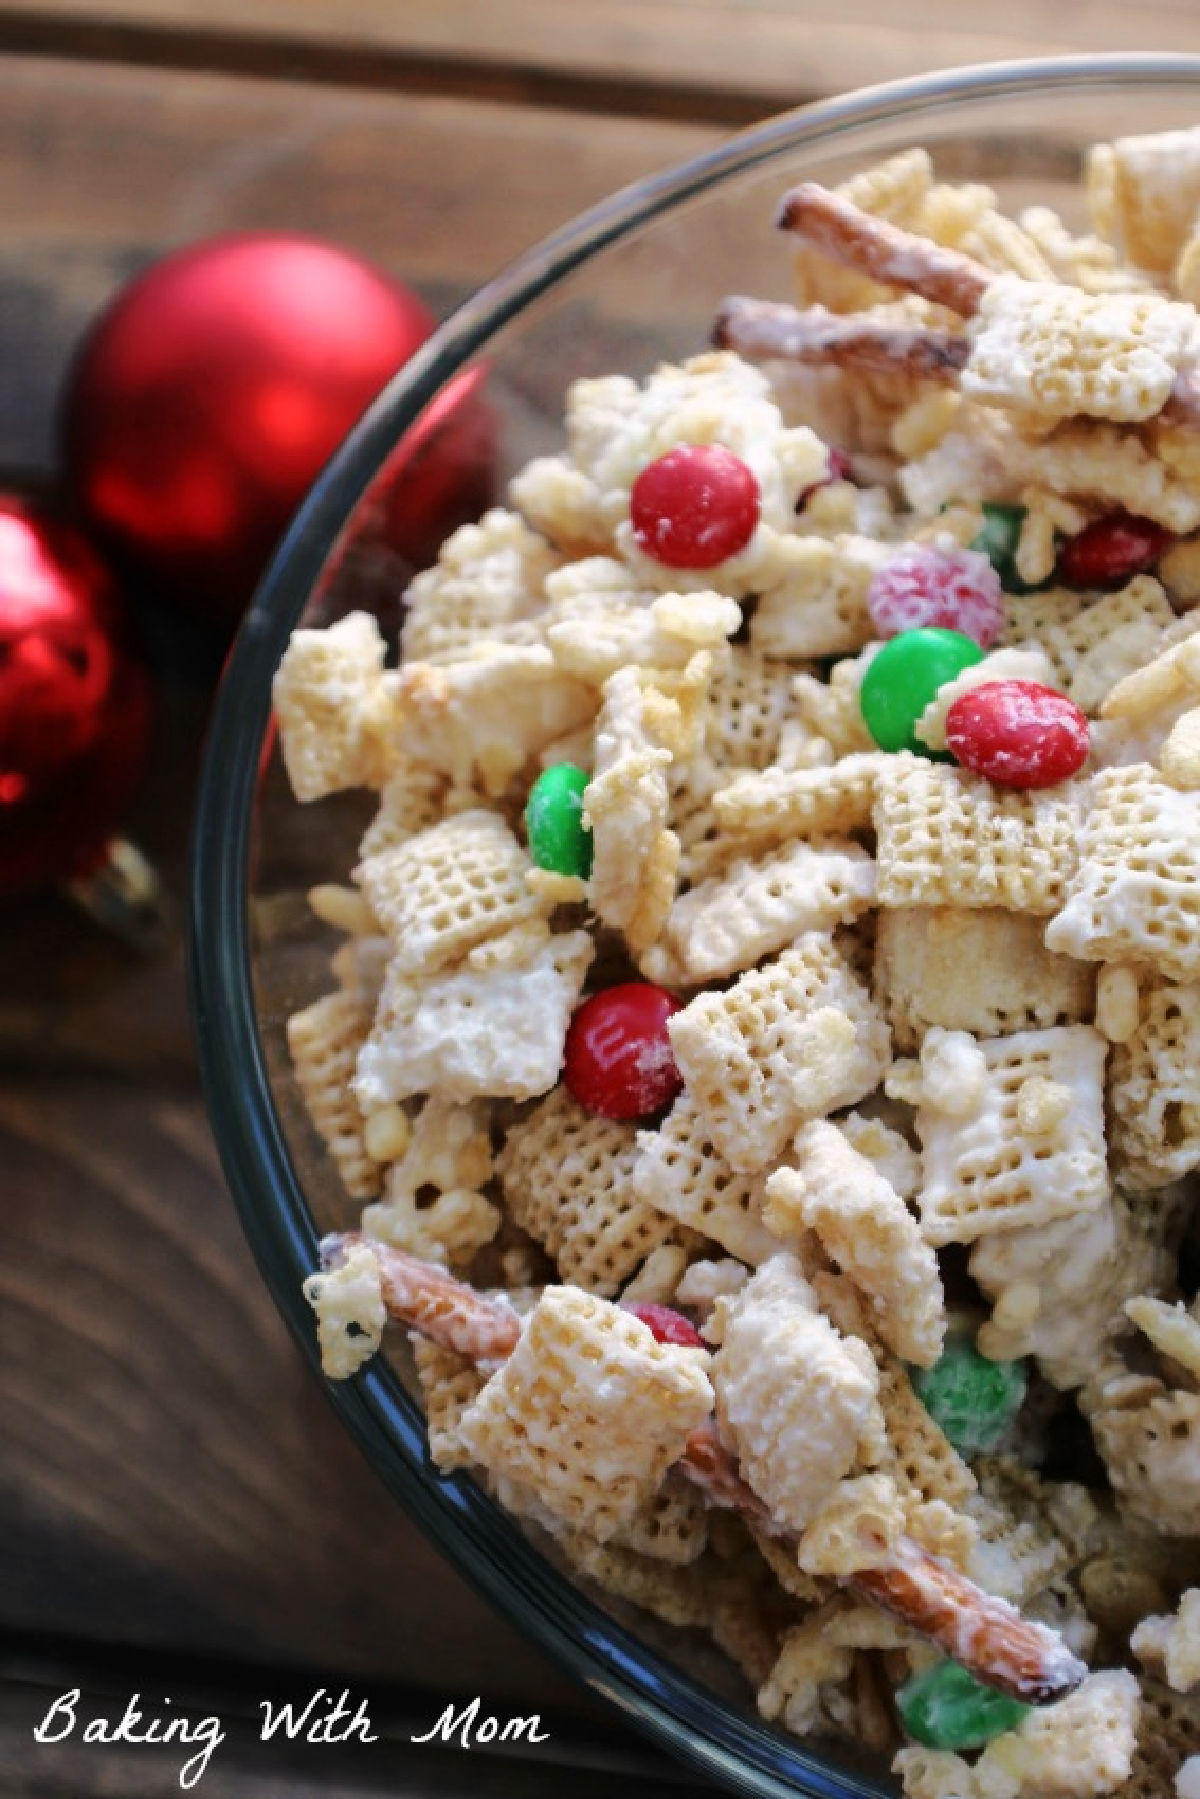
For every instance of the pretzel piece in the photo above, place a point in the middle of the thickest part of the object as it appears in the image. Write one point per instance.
(427, 1299)
(1040, 345)
(883, 251)
(986, 1635)
(764, 330)
(989, 1637)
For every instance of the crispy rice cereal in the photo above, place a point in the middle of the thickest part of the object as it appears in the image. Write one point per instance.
(939, 1039)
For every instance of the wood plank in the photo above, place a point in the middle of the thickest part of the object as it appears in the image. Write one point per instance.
(172, 1477)
(241, 1766)
(101, 169)
(131, 160)
(767, 52)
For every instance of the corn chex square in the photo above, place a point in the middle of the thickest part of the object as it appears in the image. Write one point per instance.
(817, 604)
(589, 1411)
(443, 891)
(449, 1384)
(681, 1173)
(410, 802)
(749, 701)
(1092, 643)
(470, 1032)
(946, 838)
(919, 1456)
(1048, 348)
(327, 693)
(1154, 1089)
(792, 1040)
(672, 1525)
(487, 586)
(1017, 1139)
(1135, 896)
(782, 803)
(678, 1594)
(754, 908)
(987, 972)
(1144, 192)
(566, 1176)
(324, 1041)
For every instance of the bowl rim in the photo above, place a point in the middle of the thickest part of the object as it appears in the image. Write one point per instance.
(477, 1537)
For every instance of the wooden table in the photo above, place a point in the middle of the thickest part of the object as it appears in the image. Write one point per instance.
(179, 1511)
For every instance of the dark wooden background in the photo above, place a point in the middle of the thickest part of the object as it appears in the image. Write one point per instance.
(179, 1511)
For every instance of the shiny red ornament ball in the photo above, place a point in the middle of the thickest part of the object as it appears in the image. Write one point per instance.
(210, 394)
(75, 702)
(1111, 550)
(666, 1325)
(1018, 733)
(695, 507)
(619, 1061)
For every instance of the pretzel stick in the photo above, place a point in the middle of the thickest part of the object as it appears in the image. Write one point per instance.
(884, 252)
(425, 1297)
(986, 1635)
(709, 1466)
(759, 329)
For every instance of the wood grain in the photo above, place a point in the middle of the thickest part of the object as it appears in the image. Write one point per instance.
(243, 1767)
(746, 56)
(171, 1475)
(126, 160)
(172, 1479)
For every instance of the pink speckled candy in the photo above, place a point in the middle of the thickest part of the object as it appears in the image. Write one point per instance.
(955, 590)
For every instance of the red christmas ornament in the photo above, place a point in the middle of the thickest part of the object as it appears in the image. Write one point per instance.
(75, 707)
(210, 394)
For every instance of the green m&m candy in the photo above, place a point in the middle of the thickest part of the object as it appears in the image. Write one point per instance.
(972, 1399)
(904, 677)
(947, 1708)
(558, 838)
(998, 541)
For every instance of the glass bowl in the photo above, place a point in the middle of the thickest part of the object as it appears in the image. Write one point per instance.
(632, 282)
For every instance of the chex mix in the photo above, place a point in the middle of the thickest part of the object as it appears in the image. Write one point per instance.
(765, 1026)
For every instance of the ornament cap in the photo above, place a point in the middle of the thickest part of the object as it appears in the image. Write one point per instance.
(124, 893)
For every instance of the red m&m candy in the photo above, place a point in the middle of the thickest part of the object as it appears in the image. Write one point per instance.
(695, 507)
(1111, 550)
(1018, 734)
(619, 1061)
(666, 1325)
